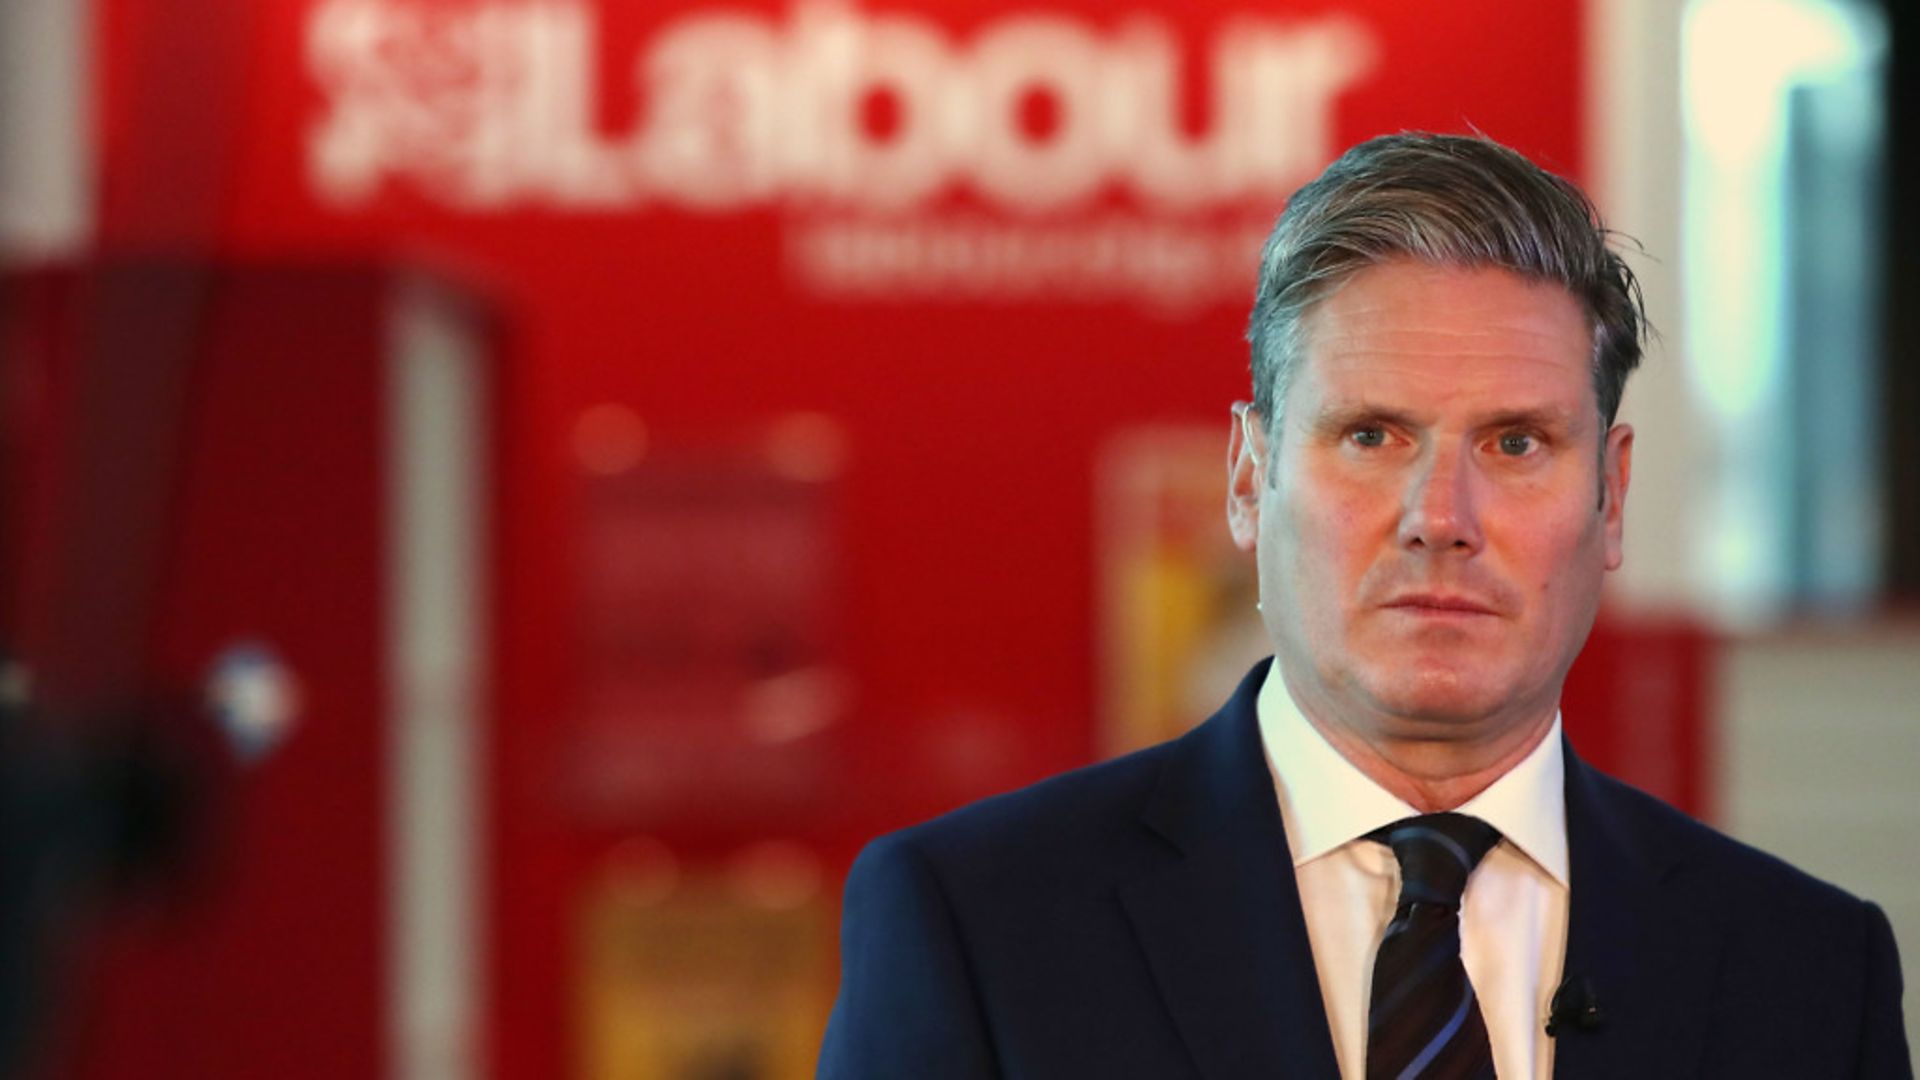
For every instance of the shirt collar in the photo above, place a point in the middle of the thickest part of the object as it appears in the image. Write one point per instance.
(1325, 801)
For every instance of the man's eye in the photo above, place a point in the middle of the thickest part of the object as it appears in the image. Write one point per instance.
(1369, 436)
(1516, 444)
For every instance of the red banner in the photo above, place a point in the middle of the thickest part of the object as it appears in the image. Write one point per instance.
(980, 243)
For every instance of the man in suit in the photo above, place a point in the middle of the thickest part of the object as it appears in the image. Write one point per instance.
(1380, 858)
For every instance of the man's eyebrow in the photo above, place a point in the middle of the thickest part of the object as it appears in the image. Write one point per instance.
(1544, 416)
(1340, 417)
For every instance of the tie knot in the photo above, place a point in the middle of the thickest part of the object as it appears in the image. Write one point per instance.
(1436, 852)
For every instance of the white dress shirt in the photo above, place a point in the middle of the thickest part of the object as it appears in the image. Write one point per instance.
(1513, 918)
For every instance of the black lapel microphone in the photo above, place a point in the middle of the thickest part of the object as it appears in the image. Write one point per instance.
(1575, 1007)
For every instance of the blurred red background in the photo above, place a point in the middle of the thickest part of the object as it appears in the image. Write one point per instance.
(806, 329)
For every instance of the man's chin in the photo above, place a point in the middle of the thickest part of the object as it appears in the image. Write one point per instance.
(1438, 705)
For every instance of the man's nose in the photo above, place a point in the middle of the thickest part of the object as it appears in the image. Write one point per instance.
(1440, 512)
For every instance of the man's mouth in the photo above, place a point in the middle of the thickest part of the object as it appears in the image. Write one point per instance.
(1439, 605)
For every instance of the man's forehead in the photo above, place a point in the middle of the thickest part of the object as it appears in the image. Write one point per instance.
(1402, 296)
(1451, 328)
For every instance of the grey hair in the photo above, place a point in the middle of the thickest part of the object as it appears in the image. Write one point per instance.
(1448, 200)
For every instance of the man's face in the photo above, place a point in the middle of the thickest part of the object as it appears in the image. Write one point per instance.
(1437, 511)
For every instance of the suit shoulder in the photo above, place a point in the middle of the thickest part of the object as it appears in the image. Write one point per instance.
(1085, 808)
(1705, 852)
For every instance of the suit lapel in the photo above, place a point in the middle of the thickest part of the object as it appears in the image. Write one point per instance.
(1650, 959)
(1221, 924)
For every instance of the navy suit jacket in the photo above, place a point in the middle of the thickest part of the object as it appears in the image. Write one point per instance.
(1139, 918)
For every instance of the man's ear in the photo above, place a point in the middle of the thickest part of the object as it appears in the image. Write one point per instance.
(1246, 474)
(1618, 464)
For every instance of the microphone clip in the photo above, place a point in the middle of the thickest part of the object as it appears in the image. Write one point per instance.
(1574, 1006)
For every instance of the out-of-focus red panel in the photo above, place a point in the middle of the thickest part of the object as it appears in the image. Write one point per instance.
(1638, 703)
(254, 946)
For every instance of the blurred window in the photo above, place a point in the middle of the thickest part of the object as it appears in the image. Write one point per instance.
(1785, 134)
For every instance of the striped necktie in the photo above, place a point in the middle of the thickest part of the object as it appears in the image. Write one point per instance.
(1424, 1021)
